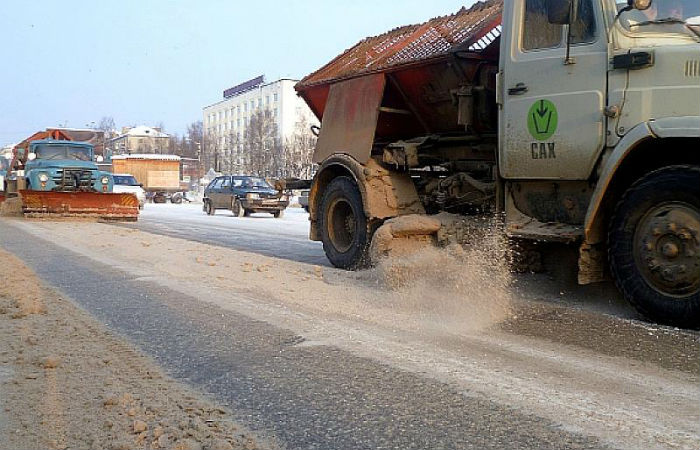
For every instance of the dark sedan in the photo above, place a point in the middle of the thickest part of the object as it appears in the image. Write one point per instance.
(243, 195)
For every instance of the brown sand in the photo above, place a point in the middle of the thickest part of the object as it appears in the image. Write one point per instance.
(65, 382)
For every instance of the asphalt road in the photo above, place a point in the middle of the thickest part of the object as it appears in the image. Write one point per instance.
(555, 374)
(286, 238)
(296, 396)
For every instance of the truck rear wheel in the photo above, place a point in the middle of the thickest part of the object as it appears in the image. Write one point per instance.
(654, 246)
(344, 229)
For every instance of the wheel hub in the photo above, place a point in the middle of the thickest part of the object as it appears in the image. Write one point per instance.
(342, 225)
(667, 248)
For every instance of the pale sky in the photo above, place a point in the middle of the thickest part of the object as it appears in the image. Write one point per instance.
(143, 62)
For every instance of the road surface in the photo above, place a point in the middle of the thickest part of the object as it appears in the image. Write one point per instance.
(287, 237)
(312, 357)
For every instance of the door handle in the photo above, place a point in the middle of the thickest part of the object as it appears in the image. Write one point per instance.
(519, 89)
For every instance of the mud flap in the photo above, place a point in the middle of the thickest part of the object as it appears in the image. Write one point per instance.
(107, 206)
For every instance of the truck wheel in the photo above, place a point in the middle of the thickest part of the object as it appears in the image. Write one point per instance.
(344, 229)
(237, 208)
(278, 214)
(654, 246)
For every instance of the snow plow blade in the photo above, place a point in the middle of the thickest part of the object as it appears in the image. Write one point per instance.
(107, 206)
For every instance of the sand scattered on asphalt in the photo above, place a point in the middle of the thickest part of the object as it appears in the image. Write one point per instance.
(65, 382)
(450, 291)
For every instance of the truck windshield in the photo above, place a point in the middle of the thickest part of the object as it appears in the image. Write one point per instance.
(125, 180)
(63, 152)
(664, 16)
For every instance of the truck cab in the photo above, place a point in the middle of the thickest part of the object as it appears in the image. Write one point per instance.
(56, 165)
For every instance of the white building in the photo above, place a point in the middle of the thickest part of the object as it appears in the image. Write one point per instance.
(231, 116)
(140, 139)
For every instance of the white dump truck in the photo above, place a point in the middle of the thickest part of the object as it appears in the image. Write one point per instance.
(578, 121)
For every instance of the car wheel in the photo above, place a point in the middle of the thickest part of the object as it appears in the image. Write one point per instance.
(210, 208)
(237, 208)
(345, 231)
(278, 214)
(654, 243)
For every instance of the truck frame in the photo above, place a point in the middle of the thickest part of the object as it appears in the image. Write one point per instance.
(566, 117)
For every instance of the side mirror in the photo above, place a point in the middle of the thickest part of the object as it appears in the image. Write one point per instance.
(31, 156)
(99, 158)
(559, 11)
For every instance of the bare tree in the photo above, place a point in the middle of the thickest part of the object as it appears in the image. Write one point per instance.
(262, 145)
(107, 125)
(298, 151)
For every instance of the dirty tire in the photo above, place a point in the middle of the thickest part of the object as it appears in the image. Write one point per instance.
(344, 229)
(210, 210)
(278, 214)
(654, 243)
(237, 208)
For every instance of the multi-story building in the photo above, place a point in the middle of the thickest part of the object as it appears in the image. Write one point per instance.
(141, 139)
(226, 122)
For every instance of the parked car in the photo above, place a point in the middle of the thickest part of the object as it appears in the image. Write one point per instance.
(304, 200)
(125, 183)
(243, 195)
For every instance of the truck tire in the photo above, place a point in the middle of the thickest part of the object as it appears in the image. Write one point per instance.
(345, 232)
(237, 208)
(278, 214)
(654, 246)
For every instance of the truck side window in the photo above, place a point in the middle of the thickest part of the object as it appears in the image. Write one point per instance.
(584, 27)
(538, 33)
(227, 183)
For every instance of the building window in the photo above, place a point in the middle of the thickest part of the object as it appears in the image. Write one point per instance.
(275, 96)
(267, 100)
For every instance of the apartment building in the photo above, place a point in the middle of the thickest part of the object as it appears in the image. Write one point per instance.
(225, 122)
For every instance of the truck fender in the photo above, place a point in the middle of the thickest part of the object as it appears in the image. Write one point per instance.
(667, 127)
(385, 194)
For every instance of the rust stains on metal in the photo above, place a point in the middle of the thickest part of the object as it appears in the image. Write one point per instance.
(472, 30)
(108, 206)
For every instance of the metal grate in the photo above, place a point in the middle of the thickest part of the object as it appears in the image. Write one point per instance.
(473, 29)
(692, 68)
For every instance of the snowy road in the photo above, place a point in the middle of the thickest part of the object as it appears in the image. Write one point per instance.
(286, 238)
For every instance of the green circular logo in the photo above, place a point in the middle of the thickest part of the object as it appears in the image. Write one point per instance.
(542, 120)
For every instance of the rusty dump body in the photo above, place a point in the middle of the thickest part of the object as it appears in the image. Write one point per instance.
(412, 114)
(435, 78)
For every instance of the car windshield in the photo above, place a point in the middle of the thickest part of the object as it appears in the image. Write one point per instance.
(125, 180)
(252, 183)
(663, 16)
(48, 151)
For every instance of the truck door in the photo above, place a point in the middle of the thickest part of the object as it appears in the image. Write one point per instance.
(551, 121)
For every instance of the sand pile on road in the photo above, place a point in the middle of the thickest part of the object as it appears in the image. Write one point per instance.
(65, 382)
(11, 207)
(20, 288)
